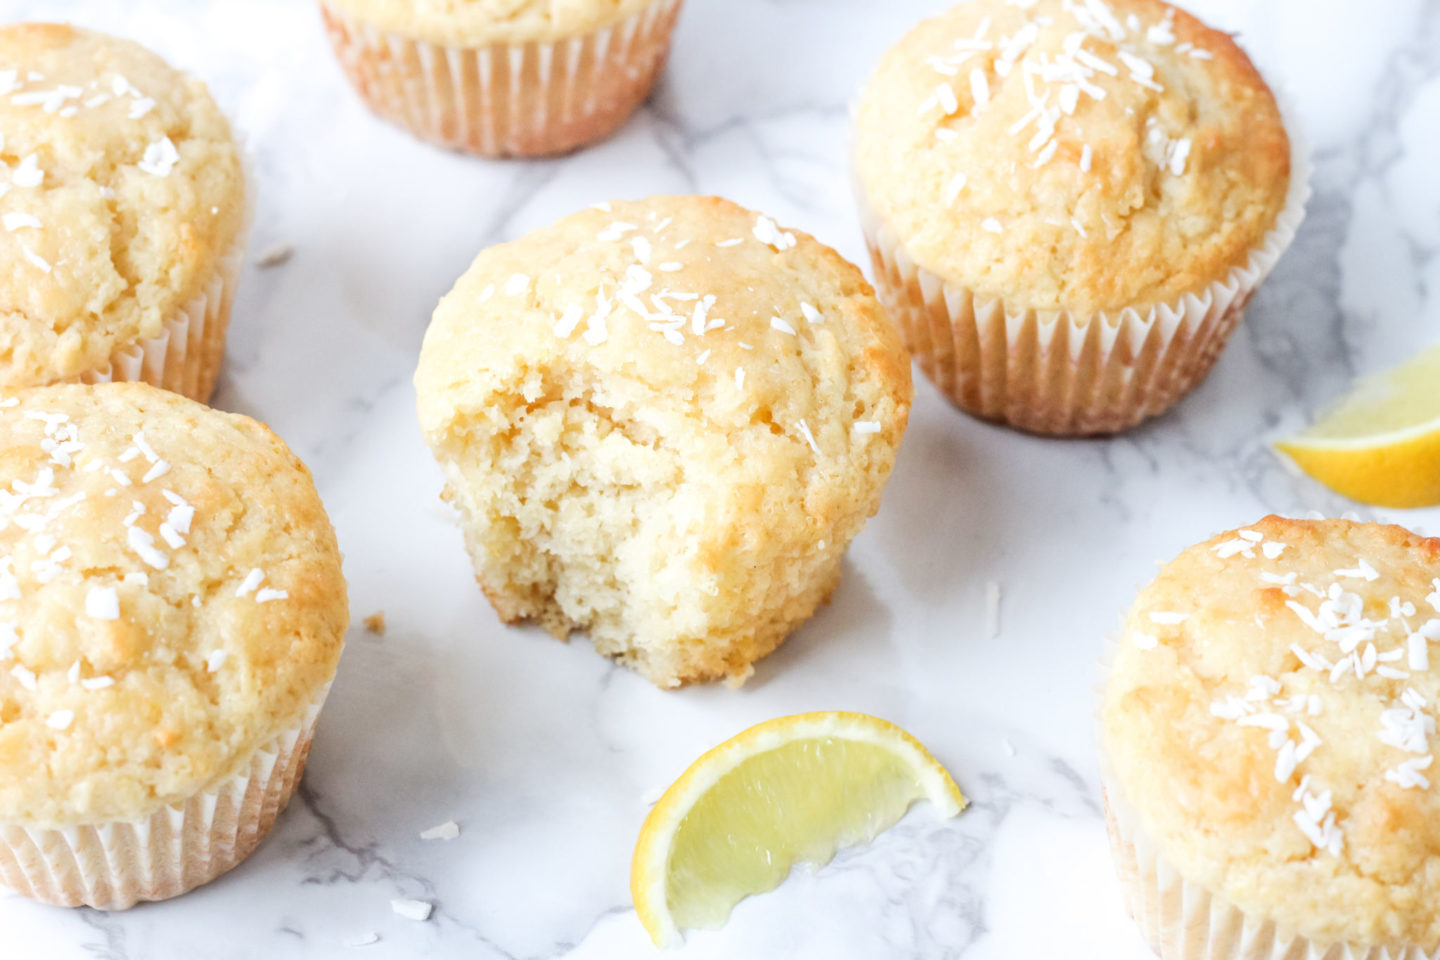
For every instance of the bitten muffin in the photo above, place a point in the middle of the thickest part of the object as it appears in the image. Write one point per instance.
(662, 423)
(503, 77)
(171, 615)
(1069, 204)
(1268, 733)
(122, 203)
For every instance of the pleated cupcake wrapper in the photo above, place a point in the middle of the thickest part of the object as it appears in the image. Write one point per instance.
(1180, 919)
(1061, 372)
(114, 865)
(523, 99)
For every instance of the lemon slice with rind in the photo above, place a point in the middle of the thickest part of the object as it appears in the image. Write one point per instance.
(1381, 444)
(788, 790)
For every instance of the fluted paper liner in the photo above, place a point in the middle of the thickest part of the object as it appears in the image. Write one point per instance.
(522, 99)
(114, 865)
(1182, 920)
(1060, 372)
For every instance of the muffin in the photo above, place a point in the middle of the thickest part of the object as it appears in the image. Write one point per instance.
(171, 617)
(1267, 732)
(662, 422)
(1069, 205)
(122, 202)
(503, 77)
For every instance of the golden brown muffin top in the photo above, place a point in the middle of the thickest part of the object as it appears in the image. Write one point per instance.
(120, 191)
(482, 22)
(170, 599)
(1270, 717)
(1077, 154)
(770, 340)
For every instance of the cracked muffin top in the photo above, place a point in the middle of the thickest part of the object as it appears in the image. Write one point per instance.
(663, 421)
(1270, 716)
(478, 22)
(170, 599)
(1078, 155)
(121, 190)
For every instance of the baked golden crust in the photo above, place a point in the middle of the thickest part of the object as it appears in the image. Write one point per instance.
(473, 23)
(141, 657)
(1083, 157)
(1269, 716)
(663, 422)
(121, 189)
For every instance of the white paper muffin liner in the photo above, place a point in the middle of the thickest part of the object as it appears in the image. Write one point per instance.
(1059, 372)
(1183, 920)
(114, 865)
(524, 99)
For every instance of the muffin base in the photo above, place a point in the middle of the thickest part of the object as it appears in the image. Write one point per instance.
(678, 667)
(524, 99)
(114, 865)
(185, 357)
(1182, 920)
(1058, 372)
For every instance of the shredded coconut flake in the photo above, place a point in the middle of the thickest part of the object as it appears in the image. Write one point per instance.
(160, 158)
(448, 830)
(809, 437)
(102, 603)
(992, 608)
(768, 233)
(252, 581)
(777, 323)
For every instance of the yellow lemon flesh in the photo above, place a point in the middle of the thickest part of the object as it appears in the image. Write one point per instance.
(792, 789)
(1381, 445)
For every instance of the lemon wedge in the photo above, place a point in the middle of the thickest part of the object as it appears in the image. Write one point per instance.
(1381, 444)
(791, 789)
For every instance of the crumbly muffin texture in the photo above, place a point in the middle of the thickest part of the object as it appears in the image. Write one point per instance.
(1084, 155)
(120, 190)
(170, 600)
(482, 22)
(662, 423)
(1270, 715)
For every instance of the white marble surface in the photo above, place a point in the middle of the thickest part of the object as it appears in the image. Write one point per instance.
(546, 754)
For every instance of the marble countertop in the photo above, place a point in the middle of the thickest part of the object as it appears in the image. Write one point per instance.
(546, 754)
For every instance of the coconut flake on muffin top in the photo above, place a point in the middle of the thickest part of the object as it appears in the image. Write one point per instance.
(1270, 713)
(1073, 154)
